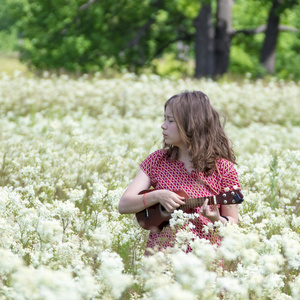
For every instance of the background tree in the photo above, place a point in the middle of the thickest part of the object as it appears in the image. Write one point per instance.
(204, 42)
(267, 56)
(220, 37)
(223, 36)
(89, 36)
(256, 37)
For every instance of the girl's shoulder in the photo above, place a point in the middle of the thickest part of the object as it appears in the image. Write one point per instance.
(223, 162)
(155, 157)
(228, 174)
(158, 155)
(150, 164)
(224, 166)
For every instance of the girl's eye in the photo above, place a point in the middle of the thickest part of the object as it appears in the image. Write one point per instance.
(168, 120)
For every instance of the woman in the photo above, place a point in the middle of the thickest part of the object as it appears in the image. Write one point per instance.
(197, 158)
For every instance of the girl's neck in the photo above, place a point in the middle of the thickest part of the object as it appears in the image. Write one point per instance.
(184, 156)
(183, 153)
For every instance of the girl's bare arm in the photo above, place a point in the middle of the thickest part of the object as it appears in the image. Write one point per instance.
(131, 202)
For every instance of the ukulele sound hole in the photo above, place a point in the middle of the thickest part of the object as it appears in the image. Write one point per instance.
(163, 211)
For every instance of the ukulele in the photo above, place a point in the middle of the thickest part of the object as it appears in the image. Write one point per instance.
(156, 217)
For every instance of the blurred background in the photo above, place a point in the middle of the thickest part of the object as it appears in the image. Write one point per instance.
(175, 38)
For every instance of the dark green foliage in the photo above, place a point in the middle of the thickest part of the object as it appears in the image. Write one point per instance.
(90, 36)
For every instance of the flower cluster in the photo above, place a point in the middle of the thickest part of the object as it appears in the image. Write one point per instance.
(68, 149)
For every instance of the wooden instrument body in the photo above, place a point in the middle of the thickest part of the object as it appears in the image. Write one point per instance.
(156, 217)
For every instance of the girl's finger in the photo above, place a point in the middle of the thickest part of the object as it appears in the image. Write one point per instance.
(205, 204)
(214, 207)
(204, 207)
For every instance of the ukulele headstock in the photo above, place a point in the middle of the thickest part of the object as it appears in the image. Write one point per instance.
(231, 197)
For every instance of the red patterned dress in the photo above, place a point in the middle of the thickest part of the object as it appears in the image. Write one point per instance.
(174, 176)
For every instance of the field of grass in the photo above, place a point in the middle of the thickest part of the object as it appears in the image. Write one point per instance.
(68, 149)
(9, 64)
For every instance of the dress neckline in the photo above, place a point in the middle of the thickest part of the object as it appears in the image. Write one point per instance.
(182, 165)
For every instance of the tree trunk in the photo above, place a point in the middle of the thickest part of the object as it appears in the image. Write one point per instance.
(204, 43)
(267, 56)
(223, 36)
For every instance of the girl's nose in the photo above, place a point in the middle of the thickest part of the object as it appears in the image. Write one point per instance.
(163, 125)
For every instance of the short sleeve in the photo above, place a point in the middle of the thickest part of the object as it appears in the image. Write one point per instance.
(229, 176)
(148, 166)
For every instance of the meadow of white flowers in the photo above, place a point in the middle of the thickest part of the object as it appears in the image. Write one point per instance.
(69, 148)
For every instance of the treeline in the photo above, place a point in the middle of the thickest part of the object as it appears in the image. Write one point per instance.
(242, 36)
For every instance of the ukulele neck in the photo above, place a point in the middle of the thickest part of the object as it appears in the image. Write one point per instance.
(197, 202)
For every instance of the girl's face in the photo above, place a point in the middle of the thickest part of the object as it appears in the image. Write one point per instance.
(170, 130)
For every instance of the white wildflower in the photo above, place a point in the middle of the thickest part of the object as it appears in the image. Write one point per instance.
(76, 195)
(271, 263)
(292, 252)
(295, 285)
(50, 231)
(232, 287)
(111, 273)
(9, 262)
(187, 270)
(30, 283)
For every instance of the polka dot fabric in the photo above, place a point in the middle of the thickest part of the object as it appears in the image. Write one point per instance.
(174, 176)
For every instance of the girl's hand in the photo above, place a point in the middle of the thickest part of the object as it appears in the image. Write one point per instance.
(212, 214)
(169, 200)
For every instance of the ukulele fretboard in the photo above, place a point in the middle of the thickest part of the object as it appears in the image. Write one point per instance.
(195, 202)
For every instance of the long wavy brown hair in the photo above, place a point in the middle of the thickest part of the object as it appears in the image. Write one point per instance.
(201, 130)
